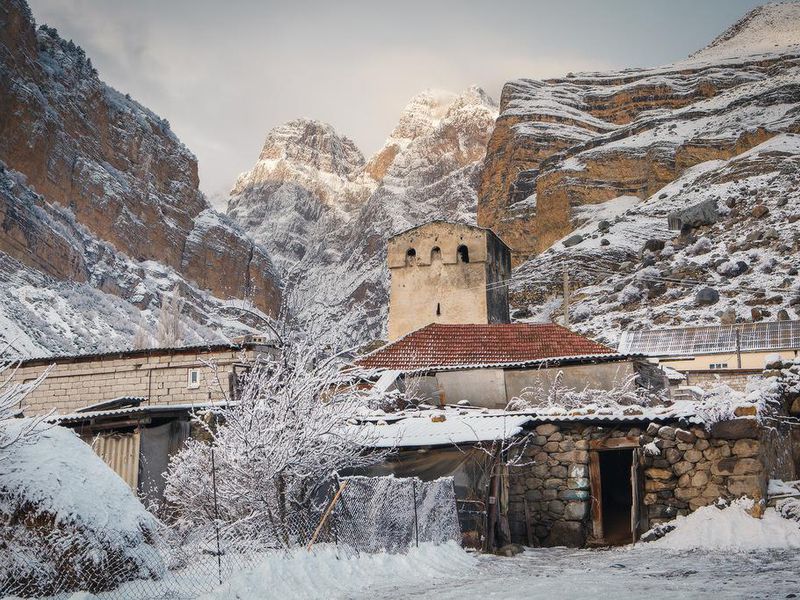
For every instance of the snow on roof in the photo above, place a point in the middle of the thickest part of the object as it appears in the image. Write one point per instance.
(130, 353)
(442, 428)
(687, 341)
(458, 425)
(439, 346)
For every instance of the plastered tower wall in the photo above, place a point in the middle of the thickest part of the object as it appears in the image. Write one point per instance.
(440, 273)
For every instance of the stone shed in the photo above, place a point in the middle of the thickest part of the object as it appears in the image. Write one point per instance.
(608, 480)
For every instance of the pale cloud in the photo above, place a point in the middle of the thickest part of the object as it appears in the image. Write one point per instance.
(224, 73)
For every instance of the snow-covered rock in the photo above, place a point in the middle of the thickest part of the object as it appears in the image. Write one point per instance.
(58, 498)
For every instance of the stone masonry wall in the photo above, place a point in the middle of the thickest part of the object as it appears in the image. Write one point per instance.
(693, 467)
(682, 469)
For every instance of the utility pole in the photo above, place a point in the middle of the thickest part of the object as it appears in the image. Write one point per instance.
(566, 298)
(738, 348)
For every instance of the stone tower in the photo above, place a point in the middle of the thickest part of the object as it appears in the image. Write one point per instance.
(447, 273)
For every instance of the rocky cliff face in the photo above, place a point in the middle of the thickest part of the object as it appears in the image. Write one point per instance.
(98, 170)
(669, 195)
(325, 213)
(589, 138)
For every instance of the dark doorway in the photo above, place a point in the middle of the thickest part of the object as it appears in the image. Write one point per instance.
(617, 492)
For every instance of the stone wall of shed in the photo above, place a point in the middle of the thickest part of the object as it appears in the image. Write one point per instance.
(682, 469)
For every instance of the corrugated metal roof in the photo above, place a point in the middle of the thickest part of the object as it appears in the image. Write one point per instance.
(474, 425)
(78, 417)
(440, 345)
(132, 353)
(688, 341)
(542, 362)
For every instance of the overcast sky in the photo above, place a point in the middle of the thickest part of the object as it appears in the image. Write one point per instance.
(225, 72)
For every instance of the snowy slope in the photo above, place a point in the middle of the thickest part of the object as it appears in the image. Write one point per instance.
(633, 271)
(767, 30)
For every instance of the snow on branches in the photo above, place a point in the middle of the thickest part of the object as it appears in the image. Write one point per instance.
(11, 398)
(554, 397)
(274, 448)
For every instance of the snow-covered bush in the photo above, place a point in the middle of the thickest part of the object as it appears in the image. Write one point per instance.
(274, 451)
(67, 521)
(557, 398)
(630, 293)
(702, 246)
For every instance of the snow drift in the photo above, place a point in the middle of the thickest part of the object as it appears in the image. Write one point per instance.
(67, 521)
(324, 573)
(731, 529)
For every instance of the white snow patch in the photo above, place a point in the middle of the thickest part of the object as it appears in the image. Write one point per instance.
(326, 573)
(731, 529)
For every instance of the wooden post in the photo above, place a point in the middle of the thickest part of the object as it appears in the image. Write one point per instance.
(596, 488)
(326, 514)
(528, 529)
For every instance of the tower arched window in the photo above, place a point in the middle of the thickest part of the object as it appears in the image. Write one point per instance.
(436, 254)
(463, 254)
(411, 256)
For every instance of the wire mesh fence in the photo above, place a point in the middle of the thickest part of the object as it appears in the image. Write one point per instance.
(361, 514)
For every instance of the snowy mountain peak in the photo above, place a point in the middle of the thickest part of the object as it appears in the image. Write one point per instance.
(425, 111)
(768, 29)
(311, 143)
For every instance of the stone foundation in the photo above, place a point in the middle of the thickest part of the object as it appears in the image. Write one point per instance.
(681, 469)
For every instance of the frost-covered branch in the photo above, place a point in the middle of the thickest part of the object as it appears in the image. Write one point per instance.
(275, 447)
(12, 396)
(558, 398)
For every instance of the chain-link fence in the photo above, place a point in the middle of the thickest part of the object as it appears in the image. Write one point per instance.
(362, 514)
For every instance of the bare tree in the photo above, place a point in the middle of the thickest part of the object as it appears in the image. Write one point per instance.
(169, 332)
(141, 339)
(275, 448)
(12, 396)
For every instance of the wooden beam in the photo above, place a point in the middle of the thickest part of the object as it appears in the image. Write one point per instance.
(596, 489)
(615, 443)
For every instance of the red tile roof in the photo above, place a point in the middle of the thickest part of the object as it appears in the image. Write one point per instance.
(438, 345)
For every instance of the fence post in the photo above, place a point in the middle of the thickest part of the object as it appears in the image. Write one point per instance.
(216, 514)
(416, 523)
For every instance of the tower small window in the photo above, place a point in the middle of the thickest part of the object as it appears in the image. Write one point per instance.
(436, 254)
(411, 256)
(438, 309)
(463, 254)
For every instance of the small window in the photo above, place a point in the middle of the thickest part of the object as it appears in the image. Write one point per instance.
(438, 309)
(718, 366)
(463, 254)
(411, 256)
(436, 254)
(194, 379)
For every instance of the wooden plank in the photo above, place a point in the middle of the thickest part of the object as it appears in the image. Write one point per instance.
(635, 495)
(528, 528)
(596, 489)
(326, 514)
(614, 443)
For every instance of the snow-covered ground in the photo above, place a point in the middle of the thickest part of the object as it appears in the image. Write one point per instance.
(622, 574)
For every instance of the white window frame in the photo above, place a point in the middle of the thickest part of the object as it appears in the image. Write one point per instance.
(193, 385)
(718, 366)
